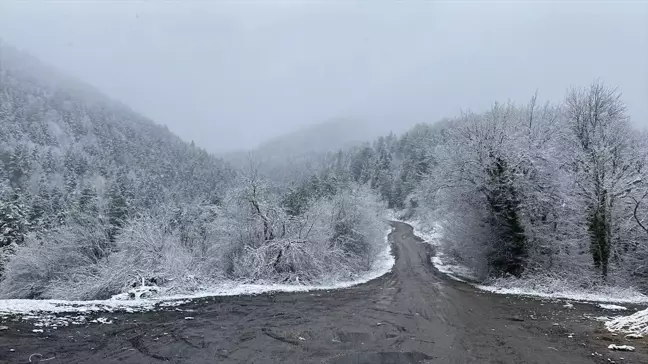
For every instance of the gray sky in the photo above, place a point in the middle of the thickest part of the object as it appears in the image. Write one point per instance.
(229, 74)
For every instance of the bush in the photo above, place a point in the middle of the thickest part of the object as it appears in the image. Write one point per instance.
(189, 248)
(335, 238)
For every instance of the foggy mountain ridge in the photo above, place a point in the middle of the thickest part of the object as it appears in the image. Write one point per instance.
(61, 135)
(231, 74)
(317, 138)
(325, 137)
(309, 146)
(32, 69)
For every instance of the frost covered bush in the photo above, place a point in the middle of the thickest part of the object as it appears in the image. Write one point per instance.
(358, 223)
(335, 238)
(28, 271)
(65, 255)
(182, 249)
(291, 261)
(163, 250)
(78, 261)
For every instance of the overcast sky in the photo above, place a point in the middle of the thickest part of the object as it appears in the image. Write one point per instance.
(229, 74)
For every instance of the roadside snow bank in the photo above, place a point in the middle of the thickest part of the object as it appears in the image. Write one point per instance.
(636, 324)
(607, 306)
(383, 263)
(430, 235)
(455, 271)
(22, 306)
(552, 288)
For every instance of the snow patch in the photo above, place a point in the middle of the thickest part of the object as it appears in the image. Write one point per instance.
(636, 323)
(429, 235)
(23, 306)
(141, 301)
(454, 271)
(634, 336)
(523, 287)
(607, 306)
(621, 347)
(102, 320)
(137, 293)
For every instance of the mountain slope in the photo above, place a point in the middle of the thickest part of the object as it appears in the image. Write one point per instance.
(60, 135)
(323, 137)
(299, 154)
(96, 200)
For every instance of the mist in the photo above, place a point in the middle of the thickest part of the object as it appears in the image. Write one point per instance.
(229, 75)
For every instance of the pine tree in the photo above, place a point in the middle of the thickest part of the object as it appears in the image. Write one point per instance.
(117, 210)
(88, 200)
(18, 168)
(59, 207)
(41, 212)
(49, 164)
(13, 220)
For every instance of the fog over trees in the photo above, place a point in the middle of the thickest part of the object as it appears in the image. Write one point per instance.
(96, 199)
(231, 75)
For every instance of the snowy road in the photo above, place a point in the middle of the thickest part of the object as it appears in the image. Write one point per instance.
(412, 315)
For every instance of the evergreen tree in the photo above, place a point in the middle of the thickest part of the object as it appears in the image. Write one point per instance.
(88, 200)
(18, 168)
(41, 211)
(49, 164)
(117, 209)
(13, 220)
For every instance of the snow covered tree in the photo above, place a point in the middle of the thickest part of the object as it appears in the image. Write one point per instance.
(117, 209)
(14, 222)
(88, 200)
(18, 166)
(602, 162)
(41, 210)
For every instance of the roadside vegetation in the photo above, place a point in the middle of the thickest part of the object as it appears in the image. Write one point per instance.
(554, 194)
(96, 200)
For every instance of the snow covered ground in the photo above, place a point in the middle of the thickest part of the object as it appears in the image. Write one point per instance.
(608, 306)
(455, 271)
(382, 264)
(602, 294)
(636, 324)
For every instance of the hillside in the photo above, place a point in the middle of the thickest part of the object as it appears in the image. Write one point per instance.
(96, 200)
(60, 136)
(323, 137)
(299, 154)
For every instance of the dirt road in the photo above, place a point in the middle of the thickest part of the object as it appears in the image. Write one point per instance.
(412, 315)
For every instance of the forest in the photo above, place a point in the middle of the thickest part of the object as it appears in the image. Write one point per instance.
(96, 199)
(551, 192)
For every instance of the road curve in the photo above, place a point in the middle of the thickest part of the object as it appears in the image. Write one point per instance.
(412, 315)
